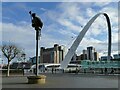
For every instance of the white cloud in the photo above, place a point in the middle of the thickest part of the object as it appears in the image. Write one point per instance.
(90, 12)
(0, 27)
(23, 36)
(0, 34)
(43, 9)
(70, 9)
(20, 35)
(104, 3)
(115, 37)
(69, 25)
(60, 1)
(99, 27)
(70, 17)
(112, 13)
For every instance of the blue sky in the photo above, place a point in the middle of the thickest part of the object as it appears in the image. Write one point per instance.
(62, 23)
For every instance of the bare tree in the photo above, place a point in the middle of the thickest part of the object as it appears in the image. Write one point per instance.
(10, 52)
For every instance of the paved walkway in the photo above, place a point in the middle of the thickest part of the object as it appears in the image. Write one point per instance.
(64, 81)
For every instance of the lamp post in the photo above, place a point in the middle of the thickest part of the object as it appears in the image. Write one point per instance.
(37, 24)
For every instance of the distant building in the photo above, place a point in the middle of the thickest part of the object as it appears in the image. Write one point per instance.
(33, 60)
(84, 56)
(104, 58)
(90, 53)
(75, 59)
(52, 55)
(116, 56)
(16, 65)
(81, 57)
(96, 56)
(25, 65)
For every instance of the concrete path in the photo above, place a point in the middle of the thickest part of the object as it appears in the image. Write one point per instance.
(64, 81)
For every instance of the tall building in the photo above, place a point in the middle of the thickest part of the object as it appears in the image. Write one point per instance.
(81, 57)
(96, 56)
(84, 55)
(90, 53)
(52, 55)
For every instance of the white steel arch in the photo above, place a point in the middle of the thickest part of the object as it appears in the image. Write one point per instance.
(76, 43)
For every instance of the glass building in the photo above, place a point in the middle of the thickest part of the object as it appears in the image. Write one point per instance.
(100, 64)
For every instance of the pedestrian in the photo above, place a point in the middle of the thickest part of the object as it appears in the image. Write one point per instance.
(55, 70)
(84, 70)
(112, 71)
(52, 70)
(63, 70)
(101, 70)
(77, 71)
(105, 70)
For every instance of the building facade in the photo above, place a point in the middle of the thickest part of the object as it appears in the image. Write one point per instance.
(90, 53)
(96, 56)
(33, 60)
(104, 58)
(116, 56)
(52, 55)
(84, 55)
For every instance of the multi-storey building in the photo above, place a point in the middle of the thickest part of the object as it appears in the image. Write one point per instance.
(116, 56)
(104, 58)
(33, 60)
(84, 55)
(90, 53)
(96, 56)
(52, 55)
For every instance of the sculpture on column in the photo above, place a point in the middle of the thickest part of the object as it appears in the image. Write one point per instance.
(36, 23)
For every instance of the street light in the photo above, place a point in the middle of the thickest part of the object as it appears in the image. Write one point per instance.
(37, 24)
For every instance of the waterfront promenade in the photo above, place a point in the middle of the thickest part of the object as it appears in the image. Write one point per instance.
(66, 80)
